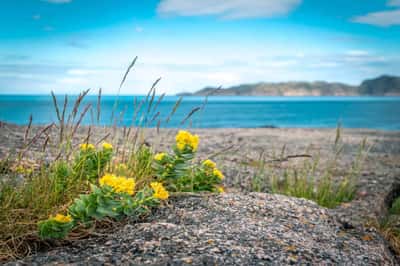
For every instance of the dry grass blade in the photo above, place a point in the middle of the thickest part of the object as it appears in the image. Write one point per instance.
(56, 106)
(153, 87)
(98, 106)
(286, 158)
(87, 107)
(34, 139)
(77, 103)
(126, 73)
(62, 120)
(26, 135)
(120, 86)
(103, 138)
(176, 106)
(154, 117)
(153, 95)
(158, 102)
(194, 110)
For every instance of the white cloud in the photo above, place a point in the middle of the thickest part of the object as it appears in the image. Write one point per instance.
(233, 9)
(394, 3)
(382, 18)
(58, 1)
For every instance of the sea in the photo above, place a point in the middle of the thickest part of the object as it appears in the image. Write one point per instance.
(212, 112)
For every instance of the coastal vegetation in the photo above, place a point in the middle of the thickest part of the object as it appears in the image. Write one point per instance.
(90, 183)
(95, 186)
(310, 179)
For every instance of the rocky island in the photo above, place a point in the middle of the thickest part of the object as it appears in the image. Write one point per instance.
(381, 86)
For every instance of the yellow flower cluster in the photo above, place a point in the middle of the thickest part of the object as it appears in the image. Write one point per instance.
(62, 218)
(159, 191)
(87, 147)
(220, 189)
(184, 138)
(20, 169)
(218, 173)
(210, 164)
(120, 184)
(107, 146)
(160, 156)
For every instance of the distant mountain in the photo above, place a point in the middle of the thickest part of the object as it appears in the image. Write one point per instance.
(381, 86)
(384, 85)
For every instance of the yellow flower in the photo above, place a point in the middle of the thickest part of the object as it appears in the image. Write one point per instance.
(159, 191)
(220, 189)
(20, 169)
(62, 218)
(210, 164)
(159, 156)
(107, 146)
(87, 147)
(184, 138)
(119, 184)
(218, 173)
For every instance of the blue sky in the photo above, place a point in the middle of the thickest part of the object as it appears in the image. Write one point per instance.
(71, 45)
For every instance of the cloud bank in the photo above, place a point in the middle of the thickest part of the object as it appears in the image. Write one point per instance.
(234, 9)
(382, 18)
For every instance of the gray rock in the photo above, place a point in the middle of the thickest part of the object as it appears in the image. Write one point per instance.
(228, 229)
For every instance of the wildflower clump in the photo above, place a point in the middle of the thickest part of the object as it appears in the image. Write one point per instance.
(107, 146)
(62, 218)
(119, 184)
(114, 197)
(179, 170)
(160, 156)
(91, 162)
(186, 141)
(159, 191)
(86, 147)
(57, 226)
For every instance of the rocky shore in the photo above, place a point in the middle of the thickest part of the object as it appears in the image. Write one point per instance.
(243, 227)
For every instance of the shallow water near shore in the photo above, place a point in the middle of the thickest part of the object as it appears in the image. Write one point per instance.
(220, 111)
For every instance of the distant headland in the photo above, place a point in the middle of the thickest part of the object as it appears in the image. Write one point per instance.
(384, 85)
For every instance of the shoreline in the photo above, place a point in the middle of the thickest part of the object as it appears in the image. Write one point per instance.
(269, 127)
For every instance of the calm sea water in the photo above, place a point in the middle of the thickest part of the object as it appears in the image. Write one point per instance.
(220, 112)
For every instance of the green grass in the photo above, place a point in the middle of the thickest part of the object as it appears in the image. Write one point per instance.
(395, 208)
(311, 179)
(389, 227)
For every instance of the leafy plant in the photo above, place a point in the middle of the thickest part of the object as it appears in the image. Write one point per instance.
(55, 227)
(90, 162)
(114, 198)
(179, 171)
